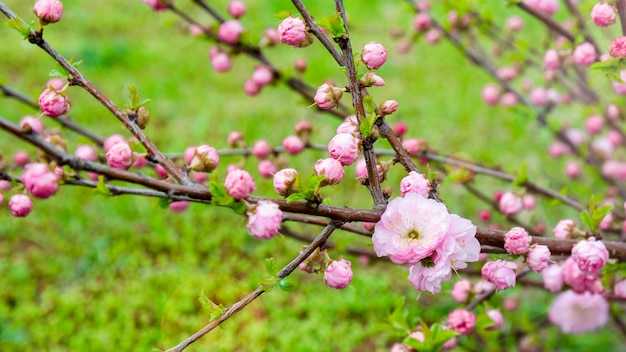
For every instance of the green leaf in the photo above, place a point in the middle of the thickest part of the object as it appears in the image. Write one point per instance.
(610, 68)
(215, 310)
(133, 96)
(294, 197)
(586, 219)
(601, 212)
(164, 203)
(270, 265)
(102, 188)
(268, 283)
(18, 25)
(334, 24)
(397, 318)
(522, 176)
(137, 147)
(369, 105)
(366, 126)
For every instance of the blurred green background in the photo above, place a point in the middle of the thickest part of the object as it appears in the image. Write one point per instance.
(86, 273)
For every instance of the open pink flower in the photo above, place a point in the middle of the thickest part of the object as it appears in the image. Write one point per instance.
(591, 256)
(579, 312)
(264, 220)
(500, 273)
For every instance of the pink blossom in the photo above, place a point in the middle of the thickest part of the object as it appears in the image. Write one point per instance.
(620, 88)
(373, 55)
(196, 30)
(293, 145)
(112, 140)
(433, 35)
(615, 170)
(120, 156)
(160, 171)
(614, 137)
(327, 96)
(514, 23)
(552, 278)
(251, 88)
(179, 206)
(285, 181)
(86, 152)
(20, 205)
(462, 320)
(572, 169)
(538, 257)
(236, 8)
(551, 59)
(564, 229)
(188, 154)
(205, 159)
(361, 170)
(590, 255)
(157, 5)
(500, 273)
(510, 204)
(31, 123)
(388, 107)
(303, 127)
(270, 37)
(5, 185)
(461, 291)
(491, 94)
(235, 139)
(300, 65)
(497, 318)
(414, 146)
(266, 168)
(56, 83)
(199, 177)
(484, 215)
(331, 169)
(613, 112)
(579, 312)
(338, 274)
(344, 147)
(262, 76)
(230, 31)
(53, 103)
(620, 289)
(594, 124)
(548, 7)
(507, 73)
(529, 202)
(349, 125)
(618, 47)
(21, 158)
(398, 347)
(584, 54)
(575, 278)
(261, 149)
(539, 96)
(400, 129)
(221, 62)
(39, 180)
(558, 149)
(292, 31)
(415, 183)
(239, 184)
(603, 14)
(264, 220)
(48, 11)
(517, 240)
(421, 22)
(508, 99)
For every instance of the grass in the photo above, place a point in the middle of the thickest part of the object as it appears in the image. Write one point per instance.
(82, 273)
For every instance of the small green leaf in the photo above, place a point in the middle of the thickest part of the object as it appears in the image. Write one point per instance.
(294, 197)
(137, 147)
(601, 212)
(366, 126)
(268, 283)
(164, 203)
(215, 310)
(369, 105)
(610, 68)
(270, 265)
(586, 219)
(334, 24)
(102, 188)
(522, 176)
(133, 96)
(18, 25)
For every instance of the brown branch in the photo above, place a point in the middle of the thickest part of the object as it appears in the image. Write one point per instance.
(548, 21)
(621, 11)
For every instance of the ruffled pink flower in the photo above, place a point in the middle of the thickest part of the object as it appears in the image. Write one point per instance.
(292, 31)
(344, 147)
(517, 240)
(261, 149)
(500, 273)
(53, 103)
(620, 289)
(576, 279)
(236, 8)
(618, 47)
(48, 11)
(331, 169)
(564, 229)
(579, 312)
(266, 168)
(31, 123)
(462, 320)
(497, 318)
(349, 125)
(230, 31)
(584, 54)
(285, 181)
(461, 291)
(112, 140)
(510, 204)
(373, 55)
(415, 182)
(293, 145)
(40, 181)
(338, 274)
(538, 257)
(120, 156)
(548, 7)
(264, 220)
(603, 14)
(591, 256)
(239, 184)
(20, 205)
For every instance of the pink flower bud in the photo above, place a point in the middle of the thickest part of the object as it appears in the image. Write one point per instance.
(327, 96)
(548, 7)
(179, 206)
(53, 103)
(21, 158)
(20, 205)
(564, 229)
(266, 168)
(584, 54)
(508, 99)
(157, 5)
(500, 273)
(484, 215)
(120, 156)
(361, 170)
(331, 169)
(514, 23)
(400, 129)
(538, 257)
(196, 30)
(236, 8)
(230, 31)
(421, 22)
(594, 124)
(620, 289)
(373, 55)
(603, 14)
(349, 125)
(56, 83)
(415, 183)
(618, 47)
(188, 154)
(338, 274)
(235, 139)
(285, 182)
(620, 88)
(572, 169)
(591, 256)
(369, 226)
(39, 180)
(239, 184)
(507, 73)
(552, 278)
(303, 127)
(345, 148)
(160, 171)
(551, 60)
(510, 204)
(432, 36)
(199, 177)
(516, 241)
(614, 170)
(264, 220)
(300, 65)
(221, 62)
(5, 185)
(613, 112)
(113, 139)
(31, 123)
(140, 161)
(529, 202)
(558, 149)
(388, 107)
(292, 31)
(293, 145)
(205, 159)
(371, 79)
(491, 94)
(415, 146)
(251, 88)
(461, 291)
(539, 96)
(261, 149)
(462, 320)
(614, 137)
(86, 152)
(48, 11)
(262, 76)
(497, 318)
(602, 148)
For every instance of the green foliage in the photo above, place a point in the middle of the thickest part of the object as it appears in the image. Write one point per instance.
(102, 189)
(435, 337)
(594, 216)
(18, 25)
(220, 197)
(522, 175)
(133, 98)
(215, 310)
(610, 68)
(307, 189)
(334, 24)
